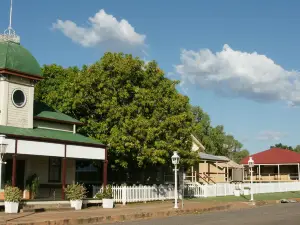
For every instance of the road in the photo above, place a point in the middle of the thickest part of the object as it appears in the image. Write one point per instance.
(280, 214)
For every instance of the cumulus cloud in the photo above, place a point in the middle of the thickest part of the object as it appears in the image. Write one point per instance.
(103, 28)
(236, 73)
(269, 135)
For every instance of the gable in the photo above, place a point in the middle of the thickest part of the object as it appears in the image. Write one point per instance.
(197, 145)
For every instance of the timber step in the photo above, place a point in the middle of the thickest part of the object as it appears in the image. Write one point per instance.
(43, 209)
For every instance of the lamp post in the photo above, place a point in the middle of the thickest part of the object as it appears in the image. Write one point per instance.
(251, 165)
(175, 160)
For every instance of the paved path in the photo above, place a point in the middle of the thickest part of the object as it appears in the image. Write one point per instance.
(95, 215)
(281, 214)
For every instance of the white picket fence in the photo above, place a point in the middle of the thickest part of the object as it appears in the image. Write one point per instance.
(124, 194)
(225, 189)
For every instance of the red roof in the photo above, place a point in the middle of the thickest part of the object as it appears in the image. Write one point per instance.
(274, 156)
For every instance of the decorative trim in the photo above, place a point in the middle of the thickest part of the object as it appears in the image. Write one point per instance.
(3, 77)
(49, 128)
(39, 139)
(21, 74)
(56, 120)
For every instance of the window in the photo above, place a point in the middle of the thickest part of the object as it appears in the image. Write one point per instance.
(18, 98)
(54, 169)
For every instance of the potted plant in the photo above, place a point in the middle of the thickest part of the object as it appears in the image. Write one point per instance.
(32, 186)
(237, 192)
(246, 191)
(26, 192)
(75, 193)
(107, 197)
(12, 197)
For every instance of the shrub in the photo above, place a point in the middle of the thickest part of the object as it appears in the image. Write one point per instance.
(12, 194)
(75, 192)
(105, 194)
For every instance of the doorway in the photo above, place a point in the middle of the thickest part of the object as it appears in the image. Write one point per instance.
(20, 173)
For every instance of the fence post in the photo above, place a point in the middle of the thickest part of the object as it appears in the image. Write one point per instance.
(205, 191)
(124, 194)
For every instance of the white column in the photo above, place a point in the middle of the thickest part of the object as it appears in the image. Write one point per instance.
(243, 173)
(192, 173)
(279, 172)
(0, 174)
(259, 174)
(227, 172)
(298, 171)
(217, 177)
(74, 129)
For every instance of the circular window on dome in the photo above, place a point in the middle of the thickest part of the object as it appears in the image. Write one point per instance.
(19, 98)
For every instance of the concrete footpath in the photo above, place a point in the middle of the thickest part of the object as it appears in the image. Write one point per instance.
(98, 215)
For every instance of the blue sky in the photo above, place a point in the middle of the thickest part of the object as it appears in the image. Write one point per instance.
(208, 45)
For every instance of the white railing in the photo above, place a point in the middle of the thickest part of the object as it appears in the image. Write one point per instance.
(124, 194)
(225, 189)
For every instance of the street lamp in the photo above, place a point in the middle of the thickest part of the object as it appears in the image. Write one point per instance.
(175, 160)
(3, 146)
(251, 165)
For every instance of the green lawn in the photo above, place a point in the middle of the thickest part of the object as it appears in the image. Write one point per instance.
(257, 197)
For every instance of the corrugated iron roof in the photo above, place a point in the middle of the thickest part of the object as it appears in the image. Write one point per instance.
(48, 134)
(205, 156)
(15, 57)
(274, 156)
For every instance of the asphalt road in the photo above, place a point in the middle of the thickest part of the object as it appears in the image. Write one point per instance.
(280, 214)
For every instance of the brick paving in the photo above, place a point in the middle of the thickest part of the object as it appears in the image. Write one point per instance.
(98, 215)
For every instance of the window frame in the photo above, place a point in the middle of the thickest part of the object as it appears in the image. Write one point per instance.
(13, 101)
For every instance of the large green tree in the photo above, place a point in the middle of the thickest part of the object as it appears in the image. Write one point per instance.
(239, 155)
(125, 103)
(280, 145)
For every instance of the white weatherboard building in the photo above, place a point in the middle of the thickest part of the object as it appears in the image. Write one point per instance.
(40, 140)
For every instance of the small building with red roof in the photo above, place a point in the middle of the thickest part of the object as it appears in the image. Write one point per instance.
(275, 164)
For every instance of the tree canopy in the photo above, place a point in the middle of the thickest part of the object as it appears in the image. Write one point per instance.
(125, 103)
(134, 108)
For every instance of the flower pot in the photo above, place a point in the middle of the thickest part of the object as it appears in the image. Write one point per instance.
(77, 204)
(237, 193)
(26, 194)
(246, 192)
(107, 203)
(11, 207)
(1, 194)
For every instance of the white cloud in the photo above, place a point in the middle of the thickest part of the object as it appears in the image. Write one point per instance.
(103, 28)
(269, 135)
(237, 73)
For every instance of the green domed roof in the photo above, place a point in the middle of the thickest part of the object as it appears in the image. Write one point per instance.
(16, 58)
